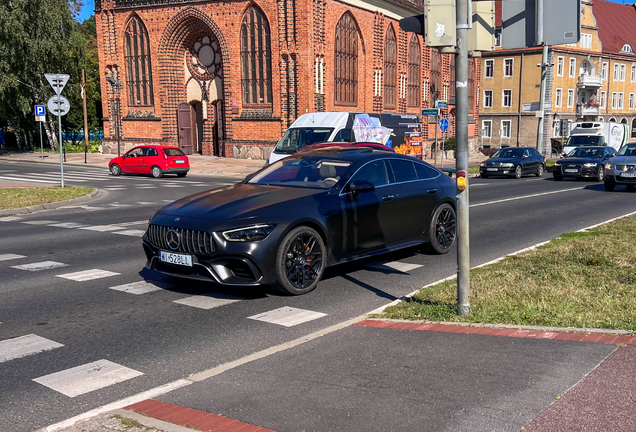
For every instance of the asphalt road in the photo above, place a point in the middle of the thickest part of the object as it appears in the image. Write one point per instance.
(172, 332)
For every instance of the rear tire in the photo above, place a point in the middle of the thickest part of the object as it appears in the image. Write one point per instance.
(518, 172)
(156, 172)
(300, 261)
(609, 185)
(115, 170)
(540, 170)
(442, 229)
(182, 174)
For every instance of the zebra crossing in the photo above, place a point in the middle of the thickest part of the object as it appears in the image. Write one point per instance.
(122, 228)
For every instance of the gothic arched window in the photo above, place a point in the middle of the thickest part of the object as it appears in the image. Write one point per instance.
(346, 57)
(390, 68)
(256, 60)
(413, 86)
(436, 75)
(138, 69)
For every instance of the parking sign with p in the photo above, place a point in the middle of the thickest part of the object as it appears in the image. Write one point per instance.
(40, 113)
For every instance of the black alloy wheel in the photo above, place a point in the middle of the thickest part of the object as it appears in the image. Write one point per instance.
(442, 229)
(540, 170)
(300, 261)
(115, 170)
(600, 176)
(518, 172)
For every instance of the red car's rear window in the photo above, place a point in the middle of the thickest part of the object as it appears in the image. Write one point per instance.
(173, 152)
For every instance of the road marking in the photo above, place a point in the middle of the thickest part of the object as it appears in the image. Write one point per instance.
(115, 188)
(394, 265)
(8, 256)
(142, 222)
(10, 219)
(288, 316)
(68, 225)
(24, 346)
(173, 186)
(141, 287)
(102, 228)
(85, 207)
(56, 177)
(27, 179)
(38, 266)
(168, 201)
(146, 202)
(40, 222)
(526, 196)
(87, 378)
(87, 275)
(146, 187)
(120, 205)
(132, 233)
(208, 301)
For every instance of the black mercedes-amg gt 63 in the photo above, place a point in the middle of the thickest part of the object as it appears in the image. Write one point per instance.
(284, 224)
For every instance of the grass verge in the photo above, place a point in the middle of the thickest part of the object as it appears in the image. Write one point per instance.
(12, 198)
(585, 279)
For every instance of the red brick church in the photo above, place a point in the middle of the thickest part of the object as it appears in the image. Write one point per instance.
(227, 78)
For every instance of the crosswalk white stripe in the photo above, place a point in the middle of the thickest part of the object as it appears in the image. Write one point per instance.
(102, 228)
(75, 173)
(8, 256)
(68, 225)
(39, 266)
(10, 219)
(26, 179)
(120, 205)
(394, 265)
(57, 178)
(207, 302)
(87, 275)
(87, 378)
(114, 188)
(25, 345)
(146, 202)
(287, 316)
(141, 287)
(141, 222)
(40, 222)
(132, 233)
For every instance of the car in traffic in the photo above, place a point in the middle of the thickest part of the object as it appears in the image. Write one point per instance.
(151, 160)
(286, 223)
(513, 162)
(621, 169)
(373, 145)
(584, 162)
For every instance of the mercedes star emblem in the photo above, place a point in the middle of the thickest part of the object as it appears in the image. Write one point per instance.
(172, 238)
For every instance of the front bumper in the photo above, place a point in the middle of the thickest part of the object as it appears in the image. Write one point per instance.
(615, 177)
(582, 172)
(498, 171)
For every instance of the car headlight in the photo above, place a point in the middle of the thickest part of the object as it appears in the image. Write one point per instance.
(590, 164)
(609, 166)
(507, 165)
(248, 234)
(483, 165)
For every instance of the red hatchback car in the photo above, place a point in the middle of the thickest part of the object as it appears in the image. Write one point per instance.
(151, 159)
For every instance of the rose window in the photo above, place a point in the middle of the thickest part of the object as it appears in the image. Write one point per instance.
(205, 58)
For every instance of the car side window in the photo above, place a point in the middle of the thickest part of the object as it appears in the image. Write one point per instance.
(424, 172)
(374, 172)
(137, 152)
(526, 153)
(403, 170)
(152, 152)
(343, 135)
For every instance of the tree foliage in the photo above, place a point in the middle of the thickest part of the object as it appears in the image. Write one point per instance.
(38, 37)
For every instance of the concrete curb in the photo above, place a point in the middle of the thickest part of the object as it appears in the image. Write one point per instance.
(50, 206)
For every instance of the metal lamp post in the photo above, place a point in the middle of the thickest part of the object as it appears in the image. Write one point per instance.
(117, 85)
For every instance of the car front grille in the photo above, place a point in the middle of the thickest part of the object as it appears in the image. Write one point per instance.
(190, 241)
(625, 167)
(493, 164)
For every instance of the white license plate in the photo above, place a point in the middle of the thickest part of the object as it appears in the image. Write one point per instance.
(492, 169)
(628, 174)
(571, 170)
(173, 258)
(179, 161)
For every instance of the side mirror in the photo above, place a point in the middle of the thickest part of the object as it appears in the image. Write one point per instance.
(611, 155)
(360, 186)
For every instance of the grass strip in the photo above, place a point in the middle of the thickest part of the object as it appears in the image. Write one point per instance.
(585, 279)
(11, 198)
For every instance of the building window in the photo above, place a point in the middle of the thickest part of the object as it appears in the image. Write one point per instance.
(558, 100)
(256, 59)
(586, 40)
(506, 126)
(346, 56)
(471, 86)
(390, 68)
(603, 99)
(138, 68)
(631, 101)
(506, 100)
(436, 76)
(614, 100)
(627, 48)
(604, 71)
(413, 86)
(508, 67)
(621, 99)
(572, 67)
(623, 69)
(616, 73)
(487, 98)
(570, 98)
(633, 77)
(489, 68)
(486, 128)
(498, 37)
(560, 66)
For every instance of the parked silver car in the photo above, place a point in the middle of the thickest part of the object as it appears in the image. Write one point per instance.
(621, 169)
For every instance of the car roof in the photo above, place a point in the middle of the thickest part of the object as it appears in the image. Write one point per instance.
(351, 154)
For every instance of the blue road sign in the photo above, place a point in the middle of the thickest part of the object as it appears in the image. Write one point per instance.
(40, 110)
(443, 124)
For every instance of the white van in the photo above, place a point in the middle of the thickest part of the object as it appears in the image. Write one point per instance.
(312, 128)
(597, 134)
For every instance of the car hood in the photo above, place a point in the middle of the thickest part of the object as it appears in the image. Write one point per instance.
(243, 201)
(496, 161)
(579, 161)
(623, 160)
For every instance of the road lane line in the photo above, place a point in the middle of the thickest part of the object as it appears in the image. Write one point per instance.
(526, 196)
(87, 275)
(24, 346)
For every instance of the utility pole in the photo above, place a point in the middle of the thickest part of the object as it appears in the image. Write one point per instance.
(83, 85)
(461, 95)
(544, 73)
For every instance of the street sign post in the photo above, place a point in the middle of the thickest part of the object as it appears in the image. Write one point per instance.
(430, 111)
(441, 104)
(443, 125)
(59, 105)
(40, 116)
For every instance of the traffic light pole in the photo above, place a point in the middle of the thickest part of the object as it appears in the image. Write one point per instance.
(461, 94)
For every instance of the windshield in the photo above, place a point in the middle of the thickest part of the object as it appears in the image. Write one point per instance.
(587, 152)
(574, 141)
(628, 150)
(507, 153)
(310, 172)
(297, 138)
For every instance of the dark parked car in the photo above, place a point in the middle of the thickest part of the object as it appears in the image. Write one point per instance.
(621, 169)
(515, 162)
(584, 162)
(286, 223)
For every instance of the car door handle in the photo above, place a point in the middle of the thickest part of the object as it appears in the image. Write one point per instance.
(431, 191)
(387, 197)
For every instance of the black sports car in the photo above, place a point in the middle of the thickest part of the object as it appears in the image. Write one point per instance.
(515, 162)
(584, 161)
(284, 224)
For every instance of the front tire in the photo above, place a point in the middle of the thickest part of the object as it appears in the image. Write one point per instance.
(600, 176)
(442, 229)
(609, 185)
(518, 172)
(115, 170)
(300, 261)
(540, 170)
(156, 172)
